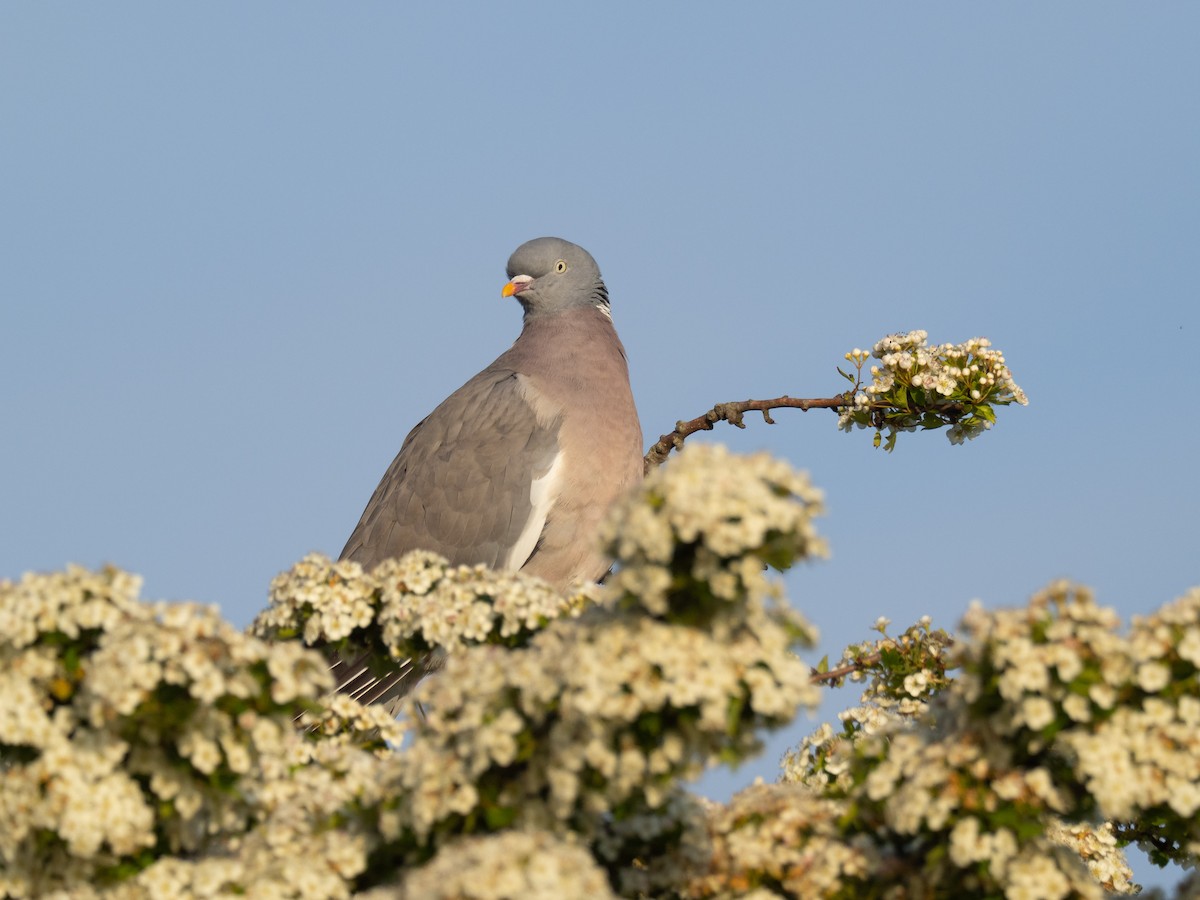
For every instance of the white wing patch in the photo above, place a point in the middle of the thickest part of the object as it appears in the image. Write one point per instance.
(542, 494)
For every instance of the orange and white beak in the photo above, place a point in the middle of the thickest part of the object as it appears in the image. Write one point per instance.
(518, 284)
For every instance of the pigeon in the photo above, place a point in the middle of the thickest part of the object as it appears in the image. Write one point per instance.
(517, 468)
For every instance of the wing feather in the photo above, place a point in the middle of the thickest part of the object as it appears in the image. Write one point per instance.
(461, 483)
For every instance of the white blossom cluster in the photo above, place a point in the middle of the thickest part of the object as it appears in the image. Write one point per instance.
(304, 839)
(407, 607)
(1119, 713)
(713, 519)
(591, 717)
(943, 795)
(128, 730)
(1041, 659)
(309, 866)
(1097, 846)
(919, 386)
(529, 865)
(311, 839)
(945, 792)
(784, 836)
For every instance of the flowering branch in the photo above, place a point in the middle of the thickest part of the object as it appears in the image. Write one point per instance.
(918, 651)
(916, 386)
(919, 386)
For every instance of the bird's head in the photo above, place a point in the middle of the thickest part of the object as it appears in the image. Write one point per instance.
(549, 275)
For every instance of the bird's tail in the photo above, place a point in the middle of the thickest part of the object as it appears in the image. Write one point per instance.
(361, 682)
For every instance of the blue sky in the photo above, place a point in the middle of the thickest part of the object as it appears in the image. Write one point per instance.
(247, 246)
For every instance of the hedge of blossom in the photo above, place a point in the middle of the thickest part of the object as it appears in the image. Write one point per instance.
(153, 751)
(920, 386)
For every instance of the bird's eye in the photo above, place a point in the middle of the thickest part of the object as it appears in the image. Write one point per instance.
(560, 266)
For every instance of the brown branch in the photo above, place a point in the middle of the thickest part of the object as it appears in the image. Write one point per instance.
(859, 664)
(733, 414)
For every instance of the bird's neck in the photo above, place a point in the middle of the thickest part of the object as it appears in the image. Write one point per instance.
(580, 340)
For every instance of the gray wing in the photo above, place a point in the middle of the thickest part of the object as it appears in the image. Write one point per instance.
(460, 485)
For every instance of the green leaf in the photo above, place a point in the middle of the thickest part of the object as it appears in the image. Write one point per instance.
(733, 716)
(71, 660)
(498, 817)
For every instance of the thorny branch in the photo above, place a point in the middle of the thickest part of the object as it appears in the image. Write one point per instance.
(733, 413)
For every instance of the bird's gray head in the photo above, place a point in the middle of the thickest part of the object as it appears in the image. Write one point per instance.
(549, 275)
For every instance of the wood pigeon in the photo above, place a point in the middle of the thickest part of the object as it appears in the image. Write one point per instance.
(517, 468)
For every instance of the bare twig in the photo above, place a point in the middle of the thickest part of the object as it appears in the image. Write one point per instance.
(733, 413)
